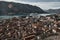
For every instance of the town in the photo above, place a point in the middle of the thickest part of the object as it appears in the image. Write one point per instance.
(30, 28)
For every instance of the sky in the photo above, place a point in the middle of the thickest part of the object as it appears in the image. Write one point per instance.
(44, 4)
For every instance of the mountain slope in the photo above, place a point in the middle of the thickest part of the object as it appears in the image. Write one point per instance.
(11, 8)
(53, 10)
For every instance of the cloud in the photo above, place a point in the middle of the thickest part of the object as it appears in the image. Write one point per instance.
(40, 0)
(46, 5)
(35, 0)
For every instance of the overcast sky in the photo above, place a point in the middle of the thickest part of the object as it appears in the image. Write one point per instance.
(44, 4)
(40, 0)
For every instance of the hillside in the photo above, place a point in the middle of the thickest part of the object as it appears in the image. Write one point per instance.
(12, 8)
(53, 10)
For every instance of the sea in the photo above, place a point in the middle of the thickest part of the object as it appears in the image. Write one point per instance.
(31, 14)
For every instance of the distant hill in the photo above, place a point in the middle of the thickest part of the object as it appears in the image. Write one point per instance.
(53, 10)
(12, 8)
